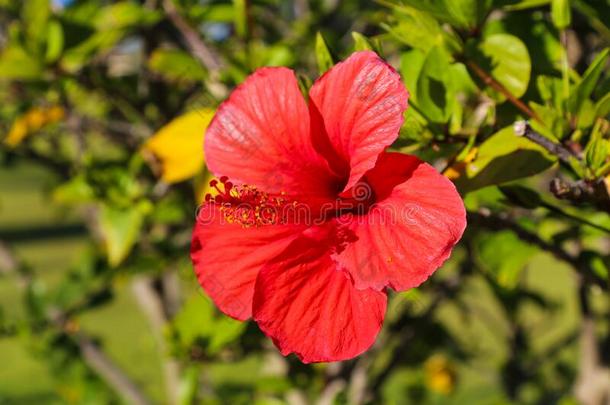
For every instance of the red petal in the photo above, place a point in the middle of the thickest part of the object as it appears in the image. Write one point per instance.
(418, 218)
(356, 110)
(309, 307)
(260, 136)
(228, 257)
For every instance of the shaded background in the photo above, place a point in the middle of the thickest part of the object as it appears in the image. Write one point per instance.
(103, 107)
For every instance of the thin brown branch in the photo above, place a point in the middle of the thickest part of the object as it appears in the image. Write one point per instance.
(109, 372)
(523, 128)
(592, 385)
(154, 309)
(593, 192)
(196, 45)
(494, 84)
(8, 261)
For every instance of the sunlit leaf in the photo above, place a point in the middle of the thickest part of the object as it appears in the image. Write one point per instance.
(198, 322)
(323, 56)
(506, 59)
(55, 41)
(461, 13)
(17, 64)
(124, 14)
(434, 97)
(416, 28)
(361, 43)
(179, 145)
(120, 229)
(505, 256)
(602, 108)
(77, 190)
(561, 13)
(35, 14)
(32, 121)
(589, 79)
(240, 16)
(504, 157)
(176, 65)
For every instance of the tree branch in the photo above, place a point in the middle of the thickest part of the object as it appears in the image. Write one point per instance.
(109, 372)
(154, 309)
(494, 84)
(523, 128)
(192, 38)
(592, 385)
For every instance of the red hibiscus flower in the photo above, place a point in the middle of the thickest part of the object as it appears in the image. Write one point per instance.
(314, 220)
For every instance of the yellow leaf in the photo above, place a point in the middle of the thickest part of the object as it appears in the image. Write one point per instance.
(457, 169)
(32, 121)
(178, 146)
(440, 374)
(18, 132)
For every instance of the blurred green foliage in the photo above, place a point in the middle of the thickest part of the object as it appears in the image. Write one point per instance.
(94, 244)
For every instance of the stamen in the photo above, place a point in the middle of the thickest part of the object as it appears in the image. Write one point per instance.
(246, 205)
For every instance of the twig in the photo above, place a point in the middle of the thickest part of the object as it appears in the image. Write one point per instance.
(153, 308)
(494, 84)
(192, 38)
(109, 372)
(592, 385)
(93, 356)
(8, 262)
(523, 128)
(499, 223)
(590, 191)
(594, 192)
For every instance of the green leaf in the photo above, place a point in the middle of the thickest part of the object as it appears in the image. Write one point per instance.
(434, 97)
(55, 41)
(504, 256)
(596, 151)
(176, 65)
(586, 86)
(120, 229)
(506, 59)
(35, 14)
(198, 321)
(323, 56)
(240, 17)
(74, 191)
(526, 4)
(416, 28)
(597, 264)
(17, 64)
(602, 108)
(521, 196)
(466, 14)
(124, 14)
(78, 56)
(361, 43)
(504, 157)
(411, 63)
(224, 13)
(537, 33)
(561, 13)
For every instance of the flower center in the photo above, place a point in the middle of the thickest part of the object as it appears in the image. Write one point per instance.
(357, 200)
(246, 205)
